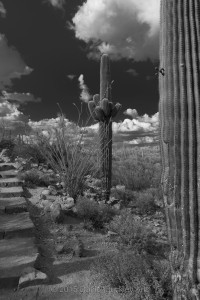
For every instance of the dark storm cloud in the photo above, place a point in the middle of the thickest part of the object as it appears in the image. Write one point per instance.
(12, 64)
(39, 37)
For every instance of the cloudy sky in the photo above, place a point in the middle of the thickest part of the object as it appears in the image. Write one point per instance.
(50, 51)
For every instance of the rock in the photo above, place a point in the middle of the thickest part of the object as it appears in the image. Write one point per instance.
(47, 209)
(52, 198)
(45, 192)
(34, 165)
(31, 276)
(43, 197)
(111, 233)
(67, 202)
(66, 206)
(120, 188)
(113, 201)
(117, 206)
(52, 190)
(56, 212)
(59, 248)
(74, 209)
(45, 203)
(50, 187)
(65, 249)
(97, 182)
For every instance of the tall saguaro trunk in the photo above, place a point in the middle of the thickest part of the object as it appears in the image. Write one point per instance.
(102, 109)
(105, 127)
(179, 110)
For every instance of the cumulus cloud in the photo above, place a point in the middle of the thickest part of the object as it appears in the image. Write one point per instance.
(131, 112)
(56, 3)
(49, 127)
(142, 140)
(139, 124)
(145, 122)
(2, 10)
(9, 111)
(139, 130)
(47, 124)
(18, 98)
(122, 28)
(12, 64)
(85, 95)
(71, 76)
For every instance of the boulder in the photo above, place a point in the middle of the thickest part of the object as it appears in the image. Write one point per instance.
(56, 212)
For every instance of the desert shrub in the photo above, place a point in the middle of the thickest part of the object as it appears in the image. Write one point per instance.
(136, 171)
(34, 178)
(29, 151)
(132, 274)
(7, 144)
(126, 196)
(98, 215)
(66, 154)
(134, 235)
(144, 202)
(163, 271)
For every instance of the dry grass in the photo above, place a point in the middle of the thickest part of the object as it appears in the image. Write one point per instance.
(137, 168)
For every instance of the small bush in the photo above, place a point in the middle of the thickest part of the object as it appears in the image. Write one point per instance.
(7, 144)
(133, 274)
(34, 178)
(133, 234)
(97, 214)
(144, 202)
(125, 196)
(27, 151)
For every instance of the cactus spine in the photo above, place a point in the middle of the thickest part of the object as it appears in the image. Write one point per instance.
(102, 109)
(179, 111)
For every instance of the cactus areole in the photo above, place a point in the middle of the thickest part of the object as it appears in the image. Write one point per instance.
(179, 111)
(102, 109)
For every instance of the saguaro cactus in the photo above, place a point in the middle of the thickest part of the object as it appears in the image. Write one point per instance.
(102, 109)
(179, 111)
